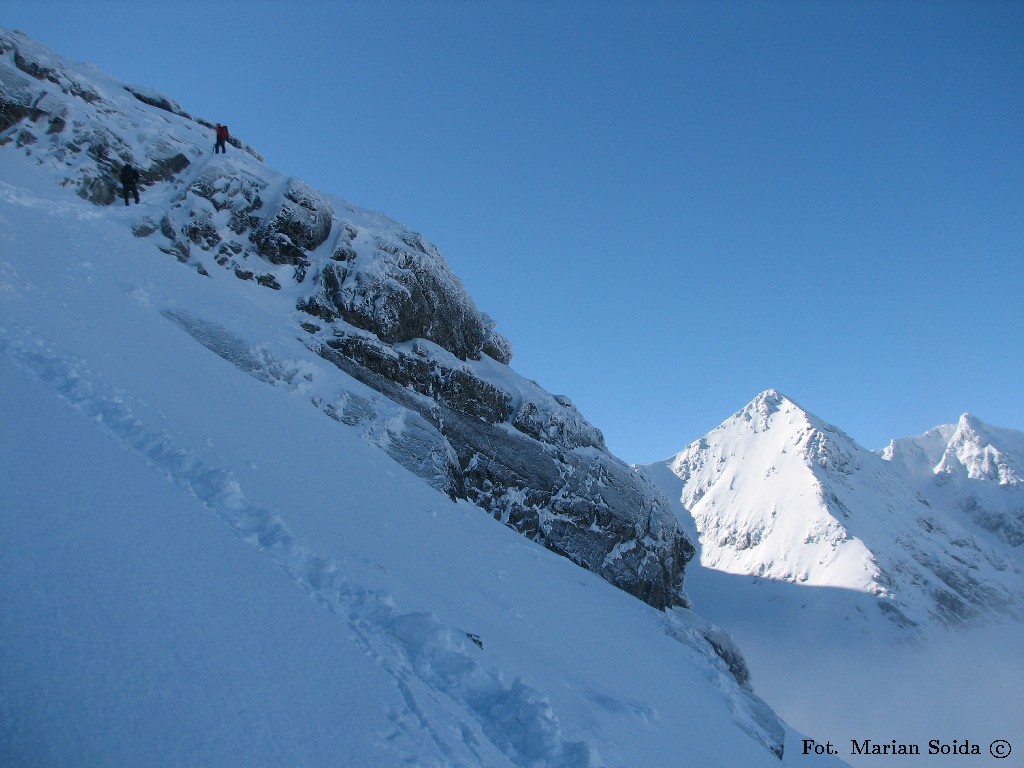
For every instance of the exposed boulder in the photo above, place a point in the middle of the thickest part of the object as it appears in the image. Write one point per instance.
(166, 161)
(201, 231)
(496, 345)
(34, 60)
(99, 190)
(156, 99)
(301, 223)
(400, 290)
(563, 426)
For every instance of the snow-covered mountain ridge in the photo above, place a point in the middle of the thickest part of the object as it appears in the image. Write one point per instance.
(972, 467)
(365, 293)
(931, 526)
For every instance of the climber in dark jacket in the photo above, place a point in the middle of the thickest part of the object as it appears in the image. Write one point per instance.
(222, 137)
(130, 183)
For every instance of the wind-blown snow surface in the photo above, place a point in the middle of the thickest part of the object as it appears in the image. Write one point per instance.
(876, 595)
(200, 568)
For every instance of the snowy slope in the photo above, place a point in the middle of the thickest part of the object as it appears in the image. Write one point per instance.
(201, 568)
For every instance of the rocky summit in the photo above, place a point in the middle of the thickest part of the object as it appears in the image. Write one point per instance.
(431, 382)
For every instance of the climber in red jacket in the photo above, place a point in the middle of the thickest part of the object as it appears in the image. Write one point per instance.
(222, 138)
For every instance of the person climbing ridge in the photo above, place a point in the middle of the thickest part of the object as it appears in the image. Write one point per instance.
(129, 183)
(222, 138)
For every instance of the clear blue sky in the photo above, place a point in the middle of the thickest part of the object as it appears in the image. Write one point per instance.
(667, 207)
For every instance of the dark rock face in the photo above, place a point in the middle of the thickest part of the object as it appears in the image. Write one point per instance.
(496, 345)
(454, 388)
(301, 223)
(587, 506)
(166, 162)
(156, 99)
(15, 99)
(375, 299)
(402, 290)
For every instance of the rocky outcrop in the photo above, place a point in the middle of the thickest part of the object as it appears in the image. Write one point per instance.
(399, 287)
(557, 486)
(374, 298)
(301, 223)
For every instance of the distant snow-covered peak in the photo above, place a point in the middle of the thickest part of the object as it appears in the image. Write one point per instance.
(967, 450)
(752, 486)
(758, 414)
(777, 492)
(780, 427)
(983, 453)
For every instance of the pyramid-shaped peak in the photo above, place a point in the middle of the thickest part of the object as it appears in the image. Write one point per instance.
(970, 430)
(772, 397)
(759, 414)
(968, 421)
(769, 401)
